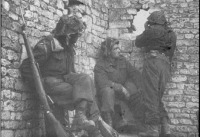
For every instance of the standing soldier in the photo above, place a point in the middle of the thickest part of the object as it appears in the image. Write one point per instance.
(158, 42)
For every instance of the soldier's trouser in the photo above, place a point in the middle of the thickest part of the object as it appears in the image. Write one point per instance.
(156, 73)
(108, 96)
(71, 89)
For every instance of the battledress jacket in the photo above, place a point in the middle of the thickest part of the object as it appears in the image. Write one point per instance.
(55, 66)
(52, 59)
(156, 68)
(157, 38)
(120, 71)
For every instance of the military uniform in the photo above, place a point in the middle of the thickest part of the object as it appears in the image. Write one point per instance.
(57, 70)
(158, 43)
(119, 71)
(54, 55)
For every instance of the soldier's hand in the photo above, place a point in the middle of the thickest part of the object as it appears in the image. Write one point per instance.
(125, 92)
(117, 87)
(71, 77)
(18, 28)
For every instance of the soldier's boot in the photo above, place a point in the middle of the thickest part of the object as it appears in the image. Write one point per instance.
(95, 132)
(108, 118)
(165, 128)
(151, 131)
(80, 119)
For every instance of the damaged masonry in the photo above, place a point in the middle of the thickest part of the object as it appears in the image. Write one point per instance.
(22, 114)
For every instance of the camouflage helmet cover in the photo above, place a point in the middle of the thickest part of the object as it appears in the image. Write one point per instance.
(69, 25)
(107, 46)
(109, 42)
(157, 17)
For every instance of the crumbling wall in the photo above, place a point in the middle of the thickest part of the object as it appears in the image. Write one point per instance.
(21, 115)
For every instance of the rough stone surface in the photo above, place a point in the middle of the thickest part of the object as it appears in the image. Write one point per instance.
(21, 114)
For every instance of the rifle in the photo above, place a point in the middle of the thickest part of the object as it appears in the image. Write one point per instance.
(57, 127)
(106, 130)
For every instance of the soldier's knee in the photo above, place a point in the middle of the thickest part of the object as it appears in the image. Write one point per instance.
(108, 91)
(85, 77)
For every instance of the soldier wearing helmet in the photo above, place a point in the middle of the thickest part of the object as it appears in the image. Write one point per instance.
(55, 57)
(158, 42)
(115, 79)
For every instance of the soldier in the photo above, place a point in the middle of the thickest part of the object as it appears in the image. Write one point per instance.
(115, 77)
(158, 42)
(55, 57)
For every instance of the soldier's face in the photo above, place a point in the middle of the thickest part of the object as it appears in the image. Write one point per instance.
(116, 51)
(73, 38)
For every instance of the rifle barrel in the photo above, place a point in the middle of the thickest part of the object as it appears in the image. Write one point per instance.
(36, 76)
(58, 128)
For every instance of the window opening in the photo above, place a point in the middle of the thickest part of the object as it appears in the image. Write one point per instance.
(140, 20)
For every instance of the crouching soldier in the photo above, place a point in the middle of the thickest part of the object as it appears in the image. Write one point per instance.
(115, 78)
(55, 57)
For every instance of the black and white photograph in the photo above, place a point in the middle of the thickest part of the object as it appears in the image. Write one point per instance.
(99, 68)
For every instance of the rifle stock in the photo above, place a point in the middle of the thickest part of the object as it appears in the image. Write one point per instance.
(106, 130)
(59, 130)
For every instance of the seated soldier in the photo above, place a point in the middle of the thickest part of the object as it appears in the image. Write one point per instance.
(55, 57)
(115, 77)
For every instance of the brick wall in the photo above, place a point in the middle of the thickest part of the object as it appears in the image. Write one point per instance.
(182, 94)
(87, 47)
(21, 114)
